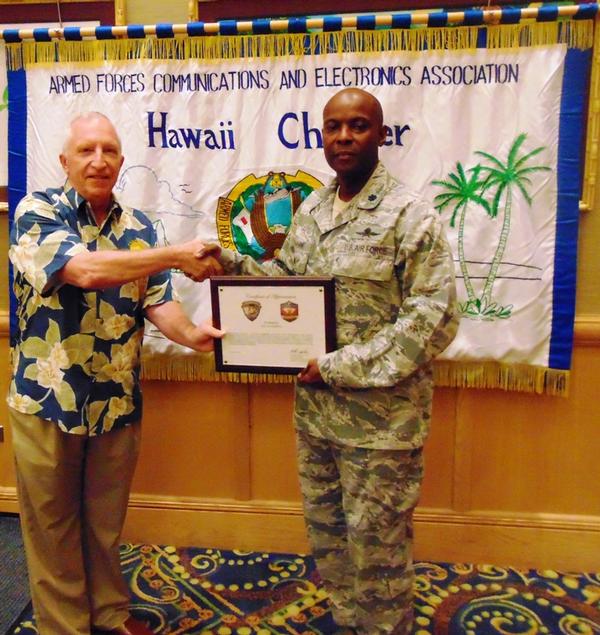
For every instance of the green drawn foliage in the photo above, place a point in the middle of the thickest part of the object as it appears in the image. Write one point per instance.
(4, 102)
(491, 186)
(460, 191)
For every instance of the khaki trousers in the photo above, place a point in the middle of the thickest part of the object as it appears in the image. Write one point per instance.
(73, 492)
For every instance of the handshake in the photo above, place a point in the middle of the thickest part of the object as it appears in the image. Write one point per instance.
(198, 260)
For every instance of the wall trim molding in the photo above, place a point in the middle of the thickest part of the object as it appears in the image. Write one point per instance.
(538, 540)
(4, 323)
(569, 522)
(587, 330)
(442, 516)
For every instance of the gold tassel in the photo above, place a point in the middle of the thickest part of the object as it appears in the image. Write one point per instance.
(515, 377)
(573, 33)
(200, 367)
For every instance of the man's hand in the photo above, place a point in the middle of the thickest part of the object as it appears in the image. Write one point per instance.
(197, 263)
(210, 249)
(173, 323)
(203, 336)
(311, 374)
(204, 267)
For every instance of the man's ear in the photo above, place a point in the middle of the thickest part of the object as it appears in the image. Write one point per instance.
(63, 162)
(382, 134)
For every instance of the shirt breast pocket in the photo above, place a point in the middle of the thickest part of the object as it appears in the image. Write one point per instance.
(365, 261)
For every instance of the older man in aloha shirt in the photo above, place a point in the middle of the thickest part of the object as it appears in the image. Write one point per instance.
(76, 360)
(76, 364)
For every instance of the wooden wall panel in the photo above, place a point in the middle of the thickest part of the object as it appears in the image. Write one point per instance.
(272, 443)
(438, 485)
(195, 440)
(539, 454)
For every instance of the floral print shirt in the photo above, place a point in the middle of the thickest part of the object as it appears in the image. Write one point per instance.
(76, 352)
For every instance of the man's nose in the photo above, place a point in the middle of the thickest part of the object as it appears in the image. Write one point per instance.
(344, 133)
(98, 157)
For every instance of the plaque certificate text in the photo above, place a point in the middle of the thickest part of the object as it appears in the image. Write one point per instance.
(272, 324)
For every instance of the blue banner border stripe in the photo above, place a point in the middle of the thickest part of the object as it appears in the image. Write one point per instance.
(164, 30)
(437, 19)
(72, 33)
(104, 33)
(17, 163)
(473, 17)
(547, 14)
(228, 27)
(402, 21)
(510, 15)
(261, 26)
(12, 35)
(41, 35)
(366, 22)
(569, 175)
(586, 11)
(297, 25)
(135, 31)
(195, 29)
(332, 23)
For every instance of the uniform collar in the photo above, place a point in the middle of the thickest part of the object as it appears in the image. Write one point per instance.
(367, 199)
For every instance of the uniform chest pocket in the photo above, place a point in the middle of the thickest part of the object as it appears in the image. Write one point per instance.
(364, 260)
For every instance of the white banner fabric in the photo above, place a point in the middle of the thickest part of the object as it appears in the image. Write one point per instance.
(199, 137)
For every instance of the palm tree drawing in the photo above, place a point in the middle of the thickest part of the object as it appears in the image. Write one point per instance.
(505, 177)
(4, 102)
(460, 191)
(499, 183)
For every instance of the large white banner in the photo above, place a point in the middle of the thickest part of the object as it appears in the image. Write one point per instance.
(4, 90)
(225, 149)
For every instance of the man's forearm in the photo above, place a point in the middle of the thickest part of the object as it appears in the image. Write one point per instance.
(173, 323)
(101, 269)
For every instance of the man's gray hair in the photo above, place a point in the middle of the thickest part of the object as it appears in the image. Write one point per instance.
(84, 116)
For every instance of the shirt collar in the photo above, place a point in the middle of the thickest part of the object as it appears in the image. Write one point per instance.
(80, 204)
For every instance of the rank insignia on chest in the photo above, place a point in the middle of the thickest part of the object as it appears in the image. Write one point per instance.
(367, 231)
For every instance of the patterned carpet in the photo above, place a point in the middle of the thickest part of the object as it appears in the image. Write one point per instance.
(211, 592)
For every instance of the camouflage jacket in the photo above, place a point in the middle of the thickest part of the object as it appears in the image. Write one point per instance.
(395, 310)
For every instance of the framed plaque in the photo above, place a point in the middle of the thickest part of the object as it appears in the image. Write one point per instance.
(272, 324)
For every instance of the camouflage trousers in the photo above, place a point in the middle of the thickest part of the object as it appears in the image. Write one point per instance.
(358, 506)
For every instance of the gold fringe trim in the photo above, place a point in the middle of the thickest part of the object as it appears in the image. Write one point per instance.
(573, 33)
(588, 195)
(515, 377)
(200, 367)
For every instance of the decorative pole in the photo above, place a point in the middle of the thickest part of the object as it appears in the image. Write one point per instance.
(120, 18)
(192, 10)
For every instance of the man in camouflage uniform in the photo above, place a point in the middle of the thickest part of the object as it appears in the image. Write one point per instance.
(362, 412)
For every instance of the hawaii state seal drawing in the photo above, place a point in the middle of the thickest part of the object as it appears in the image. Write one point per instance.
(256, 215)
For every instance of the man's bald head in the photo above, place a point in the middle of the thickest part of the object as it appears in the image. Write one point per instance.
(348, 97)
(82, 119)
(353, 130)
